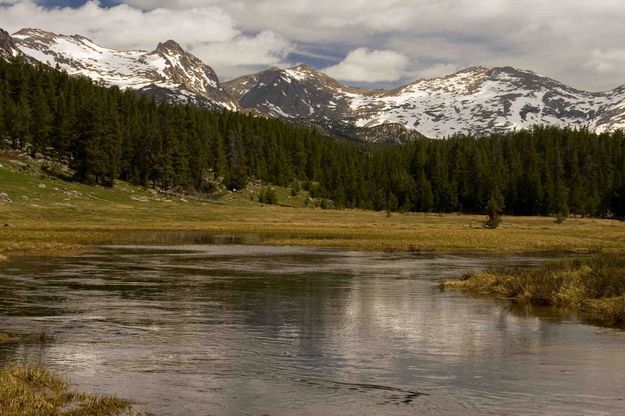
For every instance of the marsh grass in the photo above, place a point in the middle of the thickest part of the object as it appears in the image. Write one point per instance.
(594, 285)
(6, 338)
(30, 390)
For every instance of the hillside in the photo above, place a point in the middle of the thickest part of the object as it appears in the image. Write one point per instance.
(104, 135)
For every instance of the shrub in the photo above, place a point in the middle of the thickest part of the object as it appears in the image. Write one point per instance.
(268, 196)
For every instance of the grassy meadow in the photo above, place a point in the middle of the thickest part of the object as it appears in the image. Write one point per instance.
(51, 216)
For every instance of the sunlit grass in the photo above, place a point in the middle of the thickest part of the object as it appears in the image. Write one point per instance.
(30, 390)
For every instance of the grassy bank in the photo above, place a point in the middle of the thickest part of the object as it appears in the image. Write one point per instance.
(51, 216)
(30, 390)
(593, 285)
(27, 390)
(5, 338)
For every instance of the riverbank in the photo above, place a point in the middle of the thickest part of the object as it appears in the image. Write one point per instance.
(29, 390)
(594, 286)
(44, 215)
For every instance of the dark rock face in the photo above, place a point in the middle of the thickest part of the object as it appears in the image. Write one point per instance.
(8, 49)
(302, 95)
(193, 75)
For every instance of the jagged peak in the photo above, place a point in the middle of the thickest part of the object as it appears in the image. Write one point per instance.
(169, 46)
(31, 30)
(512, 70)
(475, 68)
(303, 67)
(304, 71)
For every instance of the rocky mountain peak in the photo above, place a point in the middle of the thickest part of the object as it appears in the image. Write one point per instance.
(170, 46)
(169, 72)
(31, 31)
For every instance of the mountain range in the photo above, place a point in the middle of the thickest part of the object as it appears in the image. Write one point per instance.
(474, 101)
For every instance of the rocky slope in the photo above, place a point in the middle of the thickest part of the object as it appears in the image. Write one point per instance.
(167, 72)
(8, 48)
(299, 94)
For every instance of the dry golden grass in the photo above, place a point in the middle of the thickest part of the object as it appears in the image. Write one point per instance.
(57, 231)
(29, 390)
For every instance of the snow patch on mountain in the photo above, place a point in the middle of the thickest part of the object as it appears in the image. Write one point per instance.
(168, 67)
(476, 101)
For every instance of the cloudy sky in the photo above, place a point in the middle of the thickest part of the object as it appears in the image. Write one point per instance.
(360, 42)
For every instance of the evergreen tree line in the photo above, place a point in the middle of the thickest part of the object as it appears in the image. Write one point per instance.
(105, 134)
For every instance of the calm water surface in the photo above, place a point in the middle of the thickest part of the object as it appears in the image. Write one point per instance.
(253, 330)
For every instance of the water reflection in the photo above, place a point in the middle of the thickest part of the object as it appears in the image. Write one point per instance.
(231, 329)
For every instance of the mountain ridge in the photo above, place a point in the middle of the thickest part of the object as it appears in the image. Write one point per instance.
(474, 101)
(167, 72)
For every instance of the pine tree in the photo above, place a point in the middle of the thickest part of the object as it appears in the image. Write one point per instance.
(494, 209)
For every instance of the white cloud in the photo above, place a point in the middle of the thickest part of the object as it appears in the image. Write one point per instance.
(550, 37)
(554, 38)
(436, 70)
(245, 54)
(208, 31)
(606, 61)
(124, 26)
(370, 66)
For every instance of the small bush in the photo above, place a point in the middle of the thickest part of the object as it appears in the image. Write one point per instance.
(268, 196)
(235, 180)
(494, 210)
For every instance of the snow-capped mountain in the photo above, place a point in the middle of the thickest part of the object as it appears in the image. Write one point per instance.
(167, 72)
(473, 101)
(299, 94)
(8, 48)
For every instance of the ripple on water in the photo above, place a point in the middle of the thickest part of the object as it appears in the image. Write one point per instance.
(234, 329)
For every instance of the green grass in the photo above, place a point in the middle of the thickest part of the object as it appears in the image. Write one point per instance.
(593, 285)
(50, 216)
(29, 390)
